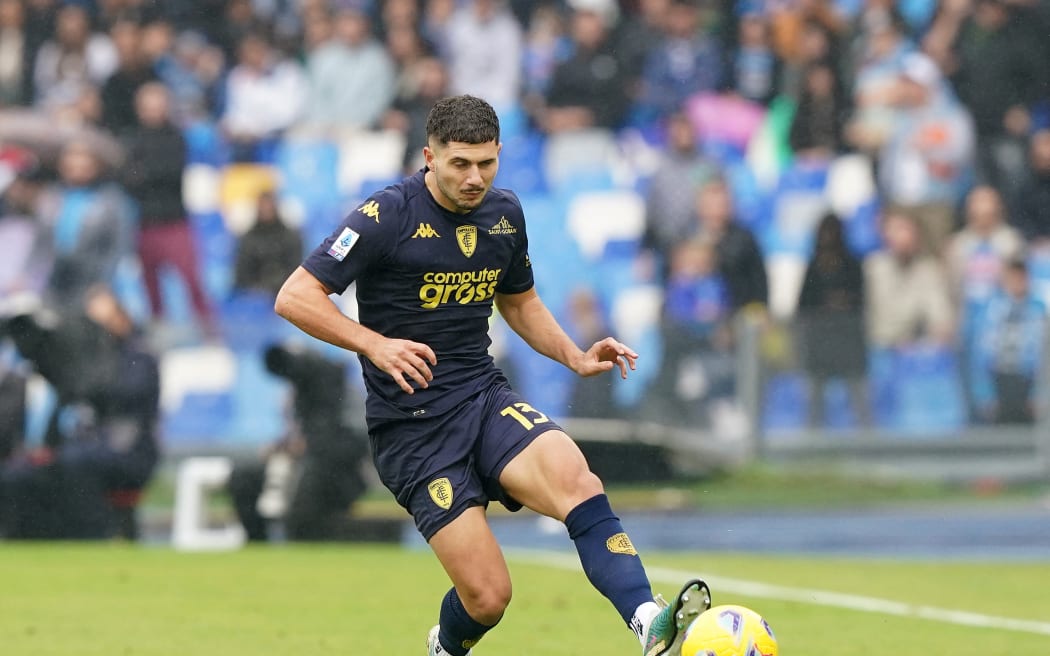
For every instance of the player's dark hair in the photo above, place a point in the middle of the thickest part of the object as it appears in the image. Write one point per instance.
(467, 119)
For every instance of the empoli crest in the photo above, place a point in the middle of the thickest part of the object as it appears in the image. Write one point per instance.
(621, 544)
(467, 238)
(441, 492)
(370, 209)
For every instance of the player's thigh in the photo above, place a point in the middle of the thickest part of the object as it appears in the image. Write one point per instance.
(551, 476)
(474, 562)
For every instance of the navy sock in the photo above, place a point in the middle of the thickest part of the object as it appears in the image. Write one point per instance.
(609, 559)
(459, 631)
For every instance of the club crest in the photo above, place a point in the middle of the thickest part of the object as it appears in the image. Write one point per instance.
(467, 238)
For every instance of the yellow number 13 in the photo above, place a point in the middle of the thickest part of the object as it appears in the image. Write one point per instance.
(517, 411)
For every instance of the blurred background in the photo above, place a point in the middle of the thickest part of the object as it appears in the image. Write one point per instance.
(825, 225)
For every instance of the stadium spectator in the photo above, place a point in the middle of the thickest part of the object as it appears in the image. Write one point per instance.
(1010, 349)
(999, 69)
(400, 14)
(975, 258)
(351, 77)
(408, 114)
(546, 44)
(686, 61)
(977, 252)
(816, 128)
(153, 178)
(830, 322)
(908, 301)
(1033, 209)
(670, 201)
(817, 45)
(740, 261)
(697, 365)
(133, 71)
(483, 48)
(16, 61)
(407, 50)
(193, 71)
(755, 68)
(586, 322)
(638, 32)
(265, 95)
(74, 58)
(926, 160)
(268, 252)
(591, 88)
(90, 222)
(883, 46)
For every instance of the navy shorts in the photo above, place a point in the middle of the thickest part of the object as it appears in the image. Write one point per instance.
(439, 466)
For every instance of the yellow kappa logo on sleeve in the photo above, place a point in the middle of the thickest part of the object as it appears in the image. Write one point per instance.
(621, 544)
(370, 209)
(441, 492)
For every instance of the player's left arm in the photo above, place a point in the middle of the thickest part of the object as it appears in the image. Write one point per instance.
(528, 316)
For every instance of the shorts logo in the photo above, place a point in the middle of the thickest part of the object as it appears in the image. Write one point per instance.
(425, 231)
(370, 209)
(441, 492)
(620, 544)
(343, 243)
(503, 227)
(467, 238)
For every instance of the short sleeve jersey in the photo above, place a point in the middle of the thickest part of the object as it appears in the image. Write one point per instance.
(428, 275)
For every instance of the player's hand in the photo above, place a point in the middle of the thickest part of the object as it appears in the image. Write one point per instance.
(405, 360)
(603, 356)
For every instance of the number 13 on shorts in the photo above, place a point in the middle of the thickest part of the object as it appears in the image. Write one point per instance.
(518, 412)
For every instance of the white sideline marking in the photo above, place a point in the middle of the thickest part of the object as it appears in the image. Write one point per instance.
(805, 595)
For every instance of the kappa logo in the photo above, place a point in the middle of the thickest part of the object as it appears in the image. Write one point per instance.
(441, 492)
(621, 544)
(370, 209)
(467, 238)
(503, 227)
(425, 231)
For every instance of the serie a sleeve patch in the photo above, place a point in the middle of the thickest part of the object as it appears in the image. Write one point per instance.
(343, 243)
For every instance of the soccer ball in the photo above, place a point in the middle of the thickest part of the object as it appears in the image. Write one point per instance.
(729, 631)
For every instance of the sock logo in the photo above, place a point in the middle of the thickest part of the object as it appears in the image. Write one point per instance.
(467, 644)
(441, 492)
(620, 544)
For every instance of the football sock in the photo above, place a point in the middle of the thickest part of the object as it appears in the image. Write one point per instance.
(609, 559)
(459, 631)
(643, 617)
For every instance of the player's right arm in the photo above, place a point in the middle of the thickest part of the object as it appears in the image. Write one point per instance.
(304, 301)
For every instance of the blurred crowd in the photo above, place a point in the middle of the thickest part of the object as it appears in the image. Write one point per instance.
(943, 106)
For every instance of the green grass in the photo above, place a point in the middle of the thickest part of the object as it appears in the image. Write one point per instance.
(112, 600)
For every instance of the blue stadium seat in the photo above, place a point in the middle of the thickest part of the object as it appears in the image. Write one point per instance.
(201, 418)
(308, 171)
(249, 323)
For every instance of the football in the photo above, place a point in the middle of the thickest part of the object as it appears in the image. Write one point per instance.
(729, 631)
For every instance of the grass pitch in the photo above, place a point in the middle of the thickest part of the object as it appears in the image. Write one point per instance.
(111, 599)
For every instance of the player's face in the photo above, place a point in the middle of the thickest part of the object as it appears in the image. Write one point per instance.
(461, 173)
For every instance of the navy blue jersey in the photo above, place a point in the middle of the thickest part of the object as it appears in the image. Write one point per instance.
(428, 275)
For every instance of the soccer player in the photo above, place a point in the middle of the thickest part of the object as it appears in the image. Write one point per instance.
(430, 256)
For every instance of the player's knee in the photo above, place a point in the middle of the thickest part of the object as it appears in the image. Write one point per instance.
(487, 603)
(586, 485)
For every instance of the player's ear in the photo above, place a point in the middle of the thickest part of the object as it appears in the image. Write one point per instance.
(428, 157)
